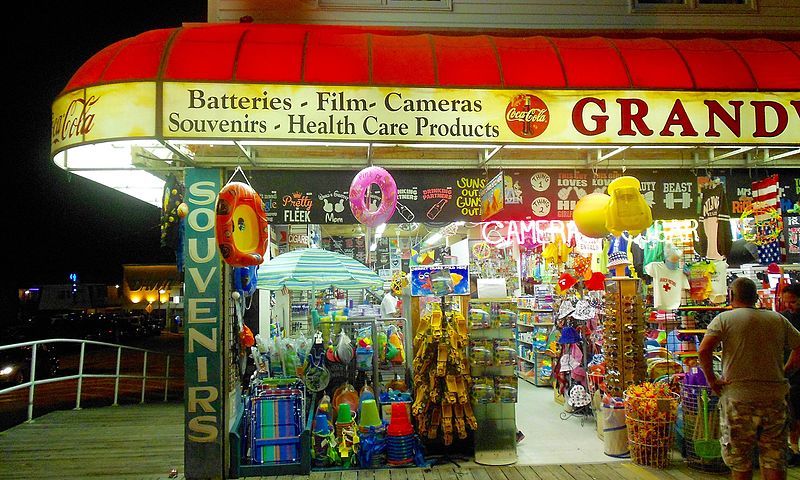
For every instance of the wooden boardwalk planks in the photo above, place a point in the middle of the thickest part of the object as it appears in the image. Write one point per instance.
(133, 441)
(146, 442)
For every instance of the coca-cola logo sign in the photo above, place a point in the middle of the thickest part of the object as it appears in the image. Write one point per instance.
(527, 115)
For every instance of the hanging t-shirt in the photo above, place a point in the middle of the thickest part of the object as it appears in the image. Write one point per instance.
(715, 231)
(653, 248)
(719, 282)
(700, 280)
(668, 285)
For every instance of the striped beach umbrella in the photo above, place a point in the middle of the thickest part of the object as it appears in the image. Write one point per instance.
(316, 269)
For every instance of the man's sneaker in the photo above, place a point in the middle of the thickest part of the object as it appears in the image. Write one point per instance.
(794, 459)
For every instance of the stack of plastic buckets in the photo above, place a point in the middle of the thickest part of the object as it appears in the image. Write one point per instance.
(322, 432)
(400, 437)
(373, 435)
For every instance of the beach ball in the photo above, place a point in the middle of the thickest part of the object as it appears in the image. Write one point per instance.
(590, 215)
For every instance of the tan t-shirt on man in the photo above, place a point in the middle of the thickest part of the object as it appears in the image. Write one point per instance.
(753, 345)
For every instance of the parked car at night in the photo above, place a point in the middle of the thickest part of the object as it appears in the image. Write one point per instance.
(15, 364)
(153, 326)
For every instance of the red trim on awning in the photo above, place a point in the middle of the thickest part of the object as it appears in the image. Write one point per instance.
(322, 54)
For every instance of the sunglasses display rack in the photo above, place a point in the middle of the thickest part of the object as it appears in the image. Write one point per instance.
(623, 335)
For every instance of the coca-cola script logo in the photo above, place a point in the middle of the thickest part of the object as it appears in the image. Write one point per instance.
(527, 115)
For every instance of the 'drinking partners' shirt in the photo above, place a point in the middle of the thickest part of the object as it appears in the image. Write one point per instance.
(753, 342)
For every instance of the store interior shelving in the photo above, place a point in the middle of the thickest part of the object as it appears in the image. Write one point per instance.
(531, 332)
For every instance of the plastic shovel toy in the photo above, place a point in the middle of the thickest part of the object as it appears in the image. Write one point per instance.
(707, 449)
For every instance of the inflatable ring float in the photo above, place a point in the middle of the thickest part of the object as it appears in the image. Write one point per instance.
(359, 190)
(241, 226)
(481, 250)
(764, 231)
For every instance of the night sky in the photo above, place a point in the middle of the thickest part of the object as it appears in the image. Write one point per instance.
(62, 223)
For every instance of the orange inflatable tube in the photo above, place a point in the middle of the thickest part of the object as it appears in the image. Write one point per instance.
(241, 225)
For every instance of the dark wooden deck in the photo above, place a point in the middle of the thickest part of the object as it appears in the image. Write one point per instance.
(146, 442)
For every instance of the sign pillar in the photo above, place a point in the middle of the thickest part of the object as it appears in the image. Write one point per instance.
(204, 432)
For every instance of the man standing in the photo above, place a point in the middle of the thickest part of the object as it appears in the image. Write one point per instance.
(753, 385)
(388, 305)
(790, 297)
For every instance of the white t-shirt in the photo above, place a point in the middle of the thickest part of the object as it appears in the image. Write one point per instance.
(719, 282)
(668, 285)
(388, 305)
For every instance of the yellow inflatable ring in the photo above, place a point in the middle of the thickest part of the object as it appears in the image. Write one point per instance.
(241, 226)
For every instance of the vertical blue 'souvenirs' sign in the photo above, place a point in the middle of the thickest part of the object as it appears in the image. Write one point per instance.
(204, 433)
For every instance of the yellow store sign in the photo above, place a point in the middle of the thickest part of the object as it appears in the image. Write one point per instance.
(424, 115)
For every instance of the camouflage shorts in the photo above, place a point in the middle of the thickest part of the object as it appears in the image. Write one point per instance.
(747, 424)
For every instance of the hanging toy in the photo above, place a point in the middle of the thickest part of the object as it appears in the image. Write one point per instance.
(590, 215)
(316, 376)
(246, 337)
(241, 225)
(399, 282)
(344, 349)
(441, 377)
(324, 451)
(345, 394)
(382, 341)
(395, 352)
(360, 201)
(325, 409)
(244, 279)
(627, 209)
(346, 435)
(170, 211)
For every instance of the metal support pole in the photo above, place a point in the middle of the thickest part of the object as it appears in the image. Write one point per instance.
(32, 379)
(144, 375)
(376, 380)
(166, 380)
(116, 377)
(80, 378)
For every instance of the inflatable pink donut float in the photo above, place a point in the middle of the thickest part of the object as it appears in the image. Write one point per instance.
(359, 190)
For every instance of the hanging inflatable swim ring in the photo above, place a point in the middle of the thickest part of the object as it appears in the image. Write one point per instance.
(242, 231)
(359, 191)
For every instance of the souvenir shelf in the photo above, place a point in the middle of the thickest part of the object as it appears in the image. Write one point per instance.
(623, 335)
(493, 357)
(532, 329)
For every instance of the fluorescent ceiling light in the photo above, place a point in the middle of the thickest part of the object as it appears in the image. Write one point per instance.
(202, 142)
(552, 147)
(663, 147)
(287, 143)
(449, 145)
(433, 238)
(110, 164)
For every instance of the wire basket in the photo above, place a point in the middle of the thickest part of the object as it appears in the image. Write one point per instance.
(696, 429)
(650, 420)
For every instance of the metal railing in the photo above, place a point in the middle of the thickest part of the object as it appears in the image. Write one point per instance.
(32, 381)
